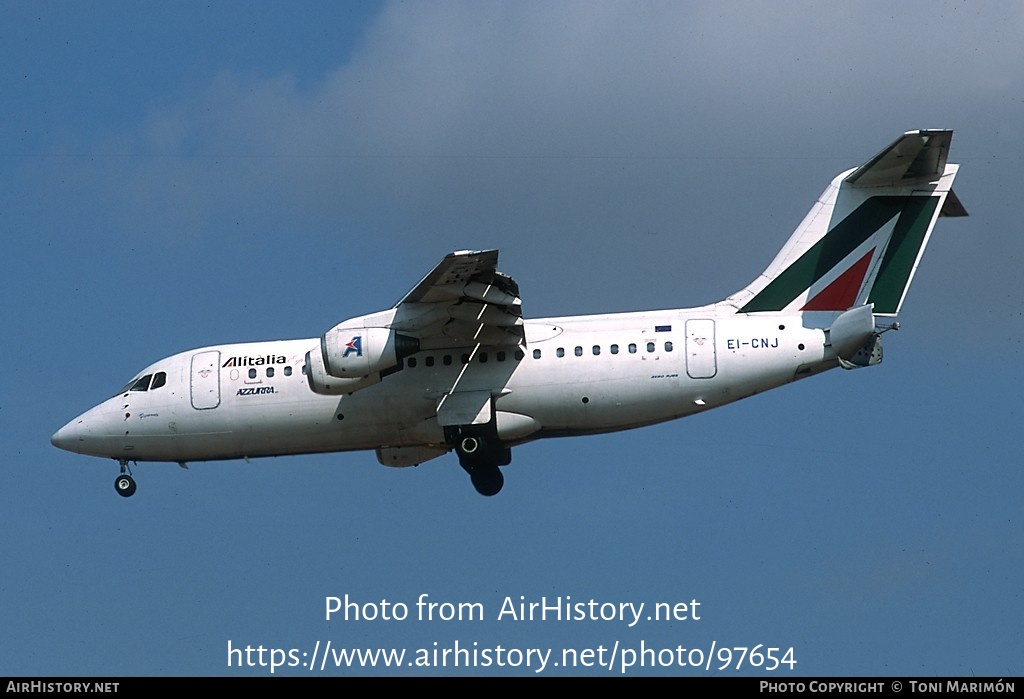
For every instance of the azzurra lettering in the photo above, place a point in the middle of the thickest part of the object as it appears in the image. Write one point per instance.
(256, 361)
(255, 391)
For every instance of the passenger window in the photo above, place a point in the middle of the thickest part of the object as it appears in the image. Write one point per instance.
(252, 373)
(560, 352)
(287, 371)
(447, 360)
(483, 357)
(412, 362)
(518, 355)
(578, 351)
(614, 349)
(597, 350)
(501, 356)
(632, 348)
(650, 346)
(159, 379)
(429, 361)
(270, 372)
(465, 359)
(536, 354)
(668, 346)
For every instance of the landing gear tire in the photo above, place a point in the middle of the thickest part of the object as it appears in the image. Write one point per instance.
(481, 462)
(124, 485)
(487, 480)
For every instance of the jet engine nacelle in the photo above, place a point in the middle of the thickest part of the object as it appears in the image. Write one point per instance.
(353, 356)
(353, 351)
(323, 383)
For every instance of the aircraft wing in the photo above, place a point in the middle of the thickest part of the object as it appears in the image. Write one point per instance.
(463, 301)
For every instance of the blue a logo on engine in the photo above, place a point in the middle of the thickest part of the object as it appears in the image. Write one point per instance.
(354, 345)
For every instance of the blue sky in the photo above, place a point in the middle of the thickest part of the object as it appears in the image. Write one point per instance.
(201, 173)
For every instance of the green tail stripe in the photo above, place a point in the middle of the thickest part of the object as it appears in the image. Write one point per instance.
(898, 262)
(828, 252)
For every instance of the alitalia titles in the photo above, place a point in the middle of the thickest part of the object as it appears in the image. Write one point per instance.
(256, 361)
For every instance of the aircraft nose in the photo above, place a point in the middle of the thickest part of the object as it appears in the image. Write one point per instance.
(69, 437)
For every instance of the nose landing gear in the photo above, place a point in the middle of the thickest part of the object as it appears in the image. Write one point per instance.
(125, 484)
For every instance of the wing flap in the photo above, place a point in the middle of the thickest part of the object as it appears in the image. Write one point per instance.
(464, 408)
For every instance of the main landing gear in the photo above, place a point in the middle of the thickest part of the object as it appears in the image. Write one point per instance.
(480, 456)
(125, 484)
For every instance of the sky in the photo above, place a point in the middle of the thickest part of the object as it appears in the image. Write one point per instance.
(195, 173)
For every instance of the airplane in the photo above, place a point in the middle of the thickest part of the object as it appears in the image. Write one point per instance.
(455, 365)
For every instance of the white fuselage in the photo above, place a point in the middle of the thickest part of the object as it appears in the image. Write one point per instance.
(575, 375)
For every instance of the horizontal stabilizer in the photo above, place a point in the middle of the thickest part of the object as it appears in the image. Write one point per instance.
(915, 156)
(952, 206)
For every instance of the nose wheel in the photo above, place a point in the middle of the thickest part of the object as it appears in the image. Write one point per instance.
(125, 484)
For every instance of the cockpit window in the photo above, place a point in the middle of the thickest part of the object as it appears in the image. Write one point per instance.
(143, 383)
(159, 379)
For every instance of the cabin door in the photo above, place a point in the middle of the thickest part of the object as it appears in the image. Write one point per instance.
(700, 349)
(205, 380)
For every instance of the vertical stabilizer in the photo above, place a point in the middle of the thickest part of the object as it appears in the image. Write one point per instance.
(864, 237)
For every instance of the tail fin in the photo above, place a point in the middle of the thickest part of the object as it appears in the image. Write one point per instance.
(863, 240)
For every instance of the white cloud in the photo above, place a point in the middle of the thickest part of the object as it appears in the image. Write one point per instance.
(602, 131)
